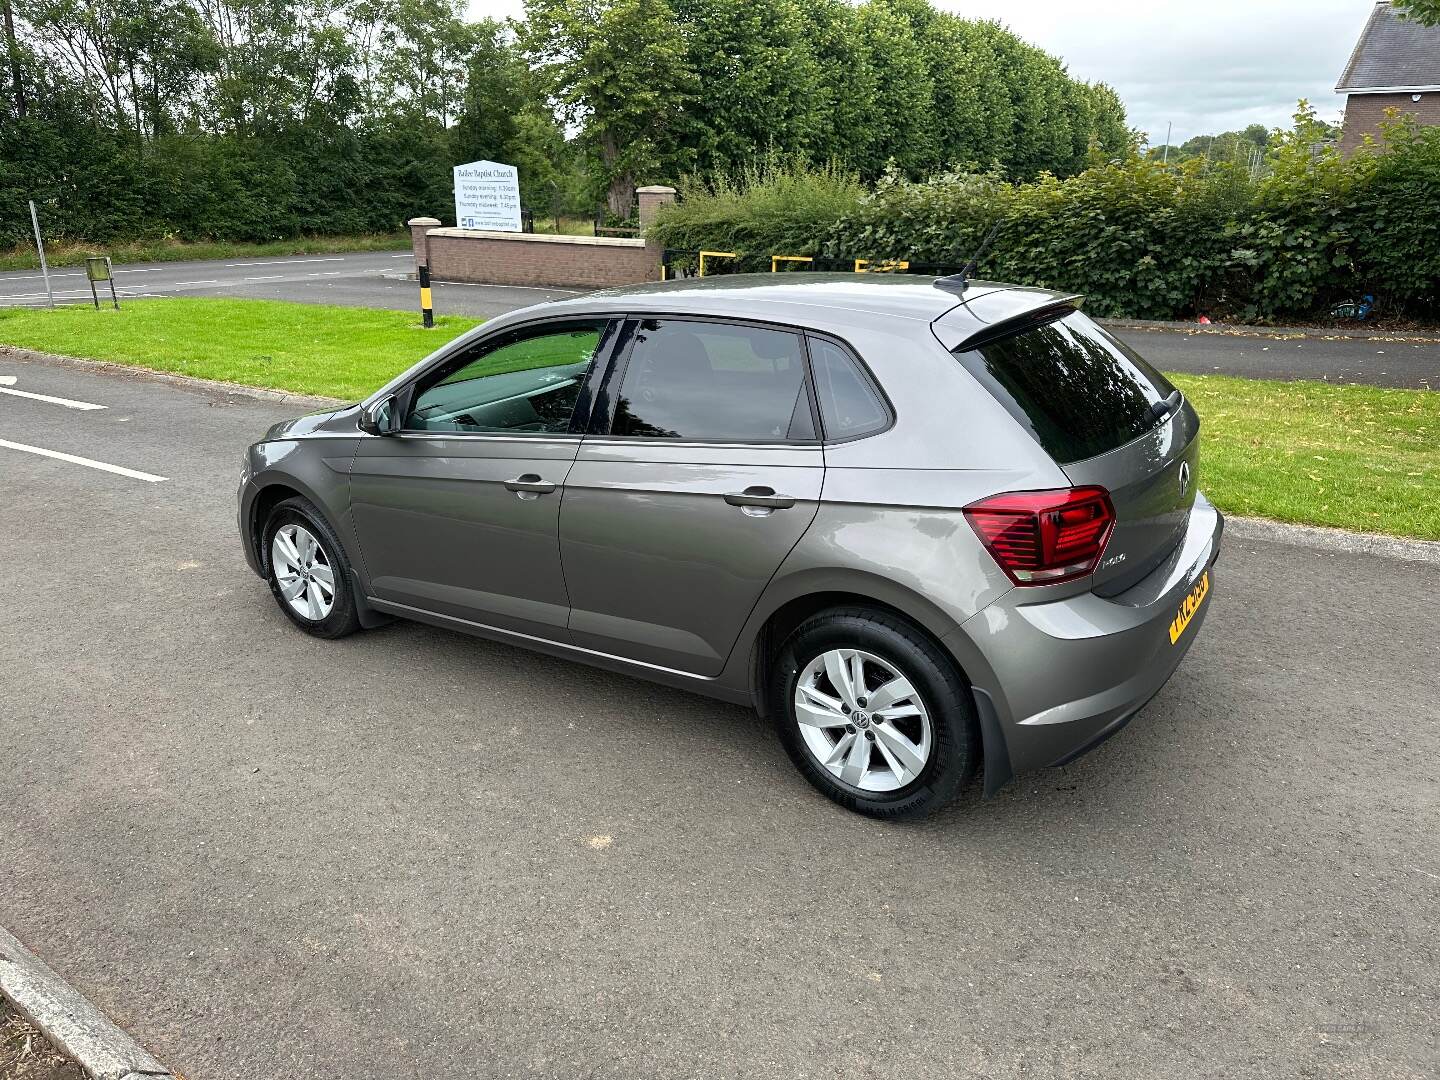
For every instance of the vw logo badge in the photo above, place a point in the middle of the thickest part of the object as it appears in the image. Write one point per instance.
(1184, 478)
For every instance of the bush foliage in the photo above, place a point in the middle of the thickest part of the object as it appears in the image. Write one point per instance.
(1140, 239)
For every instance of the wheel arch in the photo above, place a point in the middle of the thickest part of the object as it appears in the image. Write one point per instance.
(262, 505)
(807, 594)
(787, 610)
(273, 489)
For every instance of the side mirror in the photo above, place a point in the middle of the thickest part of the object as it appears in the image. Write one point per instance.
(381, 418)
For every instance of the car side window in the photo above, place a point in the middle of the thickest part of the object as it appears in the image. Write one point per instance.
(522, 385)
(714, 381)
(850, 406)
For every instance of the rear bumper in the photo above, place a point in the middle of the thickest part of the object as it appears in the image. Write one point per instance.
(1064, 675)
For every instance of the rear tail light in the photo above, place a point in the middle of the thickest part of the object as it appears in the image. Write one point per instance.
(1043, 537)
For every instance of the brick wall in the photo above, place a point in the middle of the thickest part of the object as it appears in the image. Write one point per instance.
(1365, 112)
(502, 258)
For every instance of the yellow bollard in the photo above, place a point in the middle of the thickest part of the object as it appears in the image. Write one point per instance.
(775, 260)
(715, 255)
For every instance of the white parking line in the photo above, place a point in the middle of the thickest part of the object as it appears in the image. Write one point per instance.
(289, 262)
(66, 402)
(89, 463)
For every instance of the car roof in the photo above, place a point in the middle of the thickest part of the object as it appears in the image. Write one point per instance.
(811, 300)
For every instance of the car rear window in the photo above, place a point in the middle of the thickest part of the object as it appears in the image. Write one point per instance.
(1078, 390)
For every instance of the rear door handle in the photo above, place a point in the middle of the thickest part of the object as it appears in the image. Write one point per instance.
(530, 482)
(760, 496)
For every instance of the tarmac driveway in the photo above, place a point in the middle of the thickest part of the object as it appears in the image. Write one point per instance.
(415, 854)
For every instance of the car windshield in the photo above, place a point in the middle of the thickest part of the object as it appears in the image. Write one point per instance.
(1078, 390)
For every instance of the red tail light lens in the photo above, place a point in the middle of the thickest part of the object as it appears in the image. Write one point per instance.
(1043, 537)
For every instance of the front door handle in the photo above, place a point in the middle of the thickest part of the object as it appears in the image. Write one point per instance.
(530, 482)
(760, 496)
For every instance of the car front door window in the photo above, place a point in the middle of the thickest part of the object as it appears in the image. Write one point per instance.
(520, 386)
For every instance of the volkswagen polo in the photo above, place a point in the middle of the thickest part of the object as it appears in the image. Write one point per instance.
(933, 530)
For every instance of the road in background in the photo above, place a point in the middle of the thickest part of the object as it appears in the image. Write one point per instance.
(414, 854)
(377, 279)
(352, 279)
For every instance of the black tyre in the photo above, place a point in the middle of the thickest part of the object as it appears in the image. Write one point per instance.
(307, 570)
(874, 714)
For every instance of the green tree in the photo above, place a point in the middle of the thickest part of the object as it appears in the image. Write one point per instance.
(617, 70)
(846, 120)
(903, 130)
(757, 83)
(1425, 12)
(503, 117)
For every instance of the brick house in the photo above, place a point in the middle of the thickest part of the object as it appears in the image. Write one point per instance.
(1395, 65)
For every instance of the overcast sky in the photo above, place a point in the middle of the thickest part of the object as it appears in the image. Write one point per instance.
(1205, 67)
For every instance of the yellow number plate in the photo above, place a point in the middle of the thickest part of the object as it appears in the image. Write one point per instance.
(1189, 606)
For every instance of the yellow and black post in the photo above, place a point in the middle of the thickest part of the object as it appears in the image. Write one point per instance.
(427, 310)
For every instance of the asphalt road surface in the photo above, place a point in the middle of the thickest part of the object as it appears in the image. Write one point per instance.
(413, 854)
(356, 279)
(376, 279)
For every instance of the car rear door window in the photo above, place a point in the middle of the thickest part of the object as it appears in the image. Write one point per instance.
(526, 384)
(1078, 390)
(850, 406)
(716, 382)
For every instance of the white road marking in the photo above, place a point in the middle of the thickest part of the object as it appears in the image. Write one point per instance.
(408, 255)
(266, 277)
(7, 381)
(135, 269)
(212, 281)
(36, 277)
(289, 262)
(90, 463)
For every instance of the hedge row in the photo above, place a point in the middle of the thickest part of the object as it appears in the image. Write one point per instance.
(1138, 238)
(98, 185)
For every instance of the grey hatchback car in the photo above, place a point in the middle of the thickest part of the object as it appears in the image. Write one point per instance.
(933, 530)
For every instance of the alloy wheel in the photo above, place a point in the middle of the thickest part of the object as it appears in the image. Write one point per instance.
(862, 720)
(303, 571)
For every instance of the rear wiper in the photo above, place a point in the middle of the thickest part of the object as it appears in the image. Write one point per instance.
(1162, 409)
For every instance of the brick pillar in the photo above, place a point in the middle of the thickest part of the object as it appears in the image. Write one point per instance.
(650, 200)
(419, 230)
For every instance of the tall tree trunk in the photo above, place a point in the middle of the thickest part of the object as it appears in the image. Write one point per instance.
(622, 184)
(622, 195)
(14, 52)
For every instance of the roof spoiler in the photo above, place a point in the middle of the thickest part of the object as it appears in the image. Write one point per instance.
(1000, 314)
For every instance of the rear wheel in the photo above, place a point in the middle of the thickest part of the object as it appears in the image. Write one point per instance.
(307, 570)
(874, 714)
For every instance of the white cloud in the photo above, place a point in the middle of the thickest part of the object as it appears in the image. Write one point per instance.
(1205, 67)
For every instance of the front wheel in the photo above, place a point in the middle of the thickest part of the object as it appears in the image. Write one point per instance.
(307, 571)
(873, 714)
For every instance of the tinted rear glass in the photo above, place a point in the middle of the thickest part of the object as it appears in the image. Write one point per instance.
(849, 405)
(713, 381)
(1078, 390)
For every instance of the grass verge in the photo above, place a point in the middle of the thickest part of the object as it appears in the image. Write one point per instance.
(1352, 457)
(69, 253)
(306, 348)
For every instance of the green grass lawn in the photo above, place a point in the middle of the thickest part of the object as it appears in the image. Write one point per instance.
(339, 352)
(61, 253)
(1354, 457)
(1347, 456)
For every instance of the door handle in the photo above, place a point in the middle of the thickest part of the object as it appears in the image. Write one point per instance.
(530, 482)
(760, 496)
